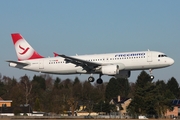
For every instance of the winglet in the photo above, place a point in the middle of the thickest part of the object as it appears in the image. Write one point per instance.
(55, 54)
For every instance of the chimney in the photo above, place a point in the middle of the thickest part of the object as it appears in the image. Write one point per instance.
(119, 98)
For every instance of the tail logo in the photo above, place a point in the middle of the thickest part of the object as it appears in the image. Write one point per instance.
(24, 50)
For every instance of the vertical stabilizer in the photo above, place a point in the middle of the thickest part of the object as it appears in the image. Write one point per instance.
(23, 49)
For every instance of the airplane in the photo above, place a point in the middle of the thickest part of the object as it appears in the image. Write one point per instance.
(118, 65)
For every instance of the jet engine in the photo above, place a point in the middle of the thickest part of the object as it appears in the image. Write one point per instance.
(115, 70)
(110, 69)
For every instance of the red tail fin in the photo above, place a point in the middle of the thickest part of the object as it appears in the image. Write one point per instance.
(23, 49)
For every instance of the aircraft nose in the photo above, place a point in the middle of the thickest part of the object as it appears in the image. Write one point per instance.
(171, 61)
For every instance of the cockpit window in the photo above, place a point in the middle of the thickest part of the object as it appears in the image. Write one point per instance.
(162, 55)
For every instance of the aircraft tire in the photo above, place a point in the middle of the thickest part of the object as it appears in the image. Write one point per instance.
(152, 77)
(91, 79)
(99, 81)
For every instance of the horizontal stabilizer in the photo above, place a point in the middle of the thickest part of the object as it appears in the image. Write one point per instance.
(18, 63)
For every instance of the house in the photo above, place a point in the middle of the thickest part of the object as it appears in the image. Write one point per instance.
(5, 103)
(4, 106)
(18, 110)
(7, 110)
(121, 102)
(82, 110)
(176, 109)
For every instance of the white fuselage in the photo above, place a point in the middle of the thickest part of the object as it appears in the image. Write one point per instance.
(131, 60)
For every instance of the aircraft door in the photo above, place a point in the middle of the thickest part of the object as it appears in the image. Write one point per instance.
(149, 56)
(41, 64)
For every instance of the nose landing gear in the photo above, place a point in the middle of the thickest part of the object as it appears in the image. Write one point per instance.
(152, 77)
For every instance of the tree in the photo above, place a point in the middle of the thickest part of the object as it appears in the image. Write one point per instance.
(48, 82)
(173, 86)
(57, 83)
(37, 105)
(162, 98)
(27, 86)
(76, 91)
(77, 88)
(143, 89)
(72, 102)
(56, 97)
(124, 87)
(40, 82)
(112, 89)
(88, 96)
(99, 92)
(65, 91)
(150, 98)
(63, 95)
(103, 106)
(2, 88)
(39, 92)
(115, 87)
(143, 79)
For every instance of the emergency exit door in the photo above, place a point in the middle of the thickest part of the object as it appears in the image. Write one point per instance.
(41, 64)
(149, 56)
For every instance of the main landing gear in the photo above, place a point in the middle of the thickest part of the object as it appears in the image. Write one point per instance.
(91, 79)
(152, 77)
(98, 81)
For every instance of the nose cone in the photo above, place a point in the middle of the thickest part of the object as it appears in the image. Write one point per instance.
(171, 61)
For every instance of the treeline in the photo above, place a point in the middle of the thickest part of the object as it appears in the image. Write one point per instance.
(46, 94)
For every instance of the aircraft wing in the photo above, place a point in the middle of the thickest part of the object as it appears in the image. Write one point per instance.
(79, 62)
(18, 63)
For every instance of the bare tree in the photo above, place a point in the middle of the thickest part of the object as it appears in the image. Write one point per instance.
(27, 86)
(73, 104)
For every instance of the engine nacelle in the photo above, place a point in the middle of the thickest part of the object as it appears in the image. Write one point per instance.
(123, 74)
(110, 69)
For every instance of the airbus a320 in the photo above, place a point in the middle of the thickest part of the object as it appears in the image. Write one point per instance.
(118, 65)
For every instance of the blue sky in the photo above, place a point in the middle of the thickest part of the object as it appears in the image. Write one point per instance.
(88, 27)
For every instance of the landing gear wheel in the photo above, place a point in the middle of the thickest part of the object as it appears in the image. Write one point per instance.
(152, 77)
(91, 79)
(99, 81)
